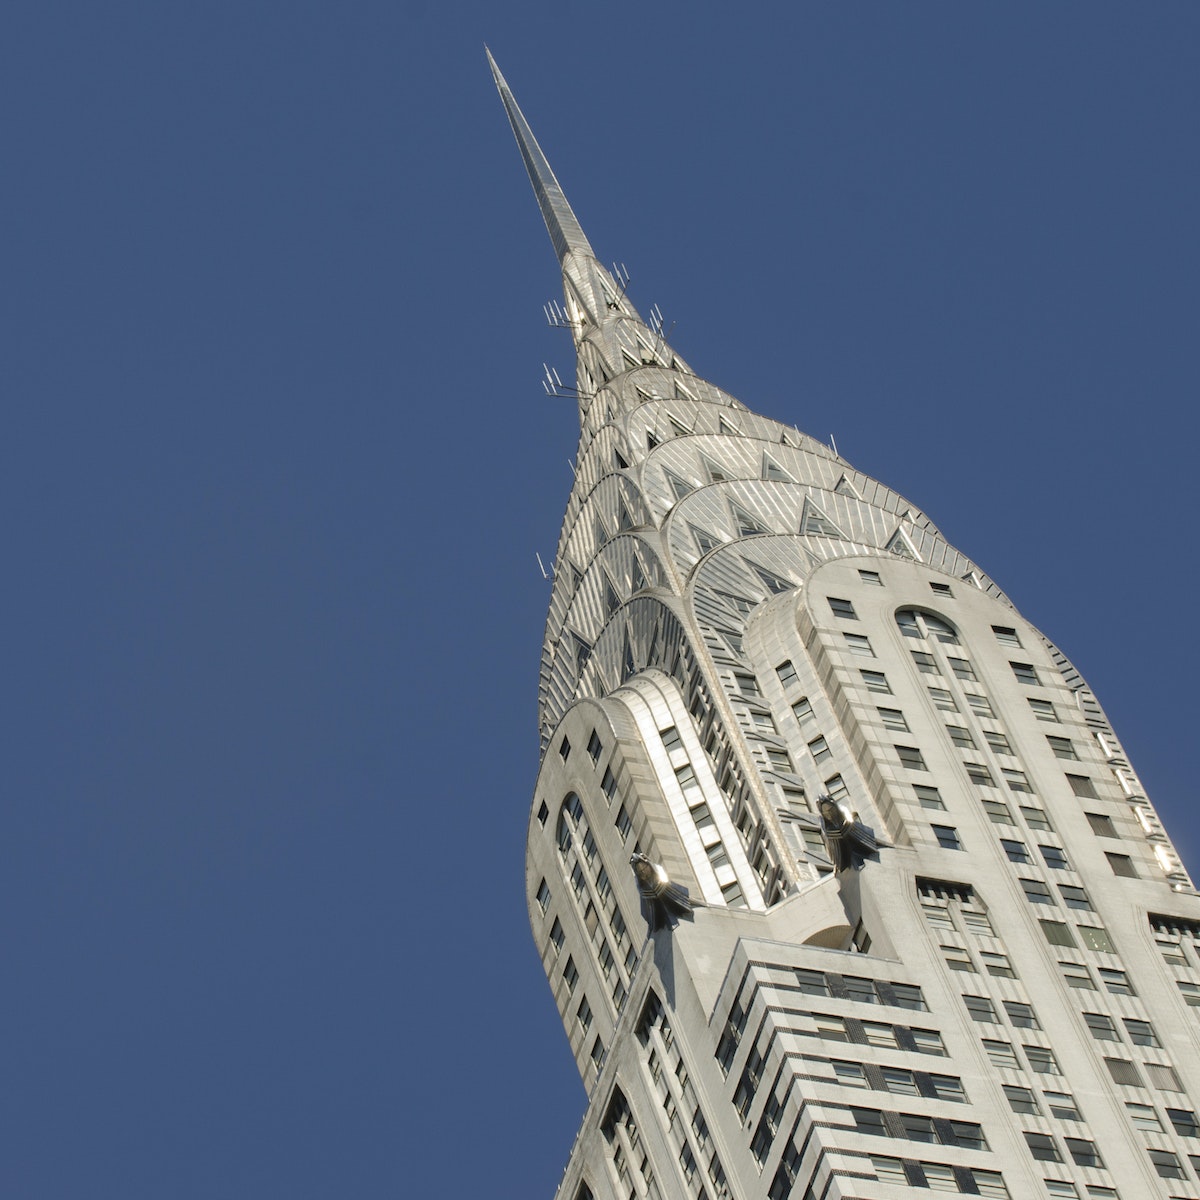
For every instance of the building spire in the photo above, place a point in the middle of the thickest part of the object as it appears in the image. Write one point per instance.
(565, 230)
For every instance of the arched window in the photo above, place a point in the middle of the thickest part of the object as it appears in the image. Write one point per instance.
(916, 623)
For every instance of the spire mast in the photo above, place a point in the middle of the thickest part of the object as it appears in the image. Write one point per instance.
(565, 230)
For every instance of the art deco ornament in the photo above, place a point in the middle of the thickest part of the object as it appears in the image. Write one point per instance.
(847, 839)
(663, 902)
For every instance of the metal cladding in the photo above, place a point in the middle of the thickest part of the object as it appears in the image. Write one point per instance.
(941, 940)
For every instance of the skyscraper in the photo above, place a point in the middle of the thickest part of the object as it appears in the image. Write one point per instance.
(944, 942)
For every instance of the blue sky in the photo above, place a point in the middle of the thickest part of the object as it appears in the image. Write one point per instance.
(277, 462)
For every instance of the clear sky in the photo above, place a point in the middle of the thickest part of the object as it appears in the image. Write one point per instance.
(276, 463)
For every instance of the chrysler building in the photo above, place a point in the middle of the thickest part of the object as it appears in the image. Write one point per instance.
(941, 941)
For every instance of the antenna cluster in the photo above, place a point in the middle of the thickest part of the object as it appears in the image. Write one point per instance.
(556, 316)
(552, 382)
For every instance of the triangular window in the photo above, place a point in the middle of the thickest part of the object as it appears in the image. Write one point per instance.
(815, 523)
(643, 395)
(611, 600)
(747, 525)
(773, 583)
(679, 486)
(628, 666)
(738, 603)
(680, 431)
(619, 459)
(601, 533)
(624, 520)
(705, 540)
(629, 359)
(651, 439)
(681, 393)
(637, 575)
(723, 426)
(899, 545)
(845, 488)
(716, 473)
(582, 652)
(773, 471)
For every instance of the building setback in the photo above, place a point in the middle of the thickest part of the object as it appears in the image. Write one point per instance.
(1003, 999)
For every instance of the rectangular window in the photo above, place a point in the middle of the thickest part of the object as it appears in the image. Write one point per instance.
(1001, 1054)
(1058, 933)
(1183, 1120)
(819, 749)
(557, 937)
(1121, 864)
(583, 1014)
(1094, 937)
(1062, 747)
(842, 608)
(1035, 818)
(878, 1034)
(1102, 825)
(1017, 780)
(908, 995)
(543, 896)
(899, 1081)
(624, 824)
(948, 1087)
(802, 710)
(941, 589)
(998, 742)
(671, 739)
(961, 737)
(812, 983)
(1015, 851)
(1006, 636)
(942, 699)
(1083, 1152)
(1075, 897)
(1021, 1099)
(979, 775)
(869, 1120)
(917, 1128)
(871, 577)
(1116, 981)
(1167, 1164)
(608, 785)
(748, 686)
(977, 923)
(1141, 1033)
(862, 990)
(980, 705)
(1123, 1072)
(1101, 1027)
(997, 964)
(893, 718)
(595, 746)
(1021, 1014)
(780, 760)
(925, 663)
(1055, 857)
(889, 1170)
(927, 1041)
(947, 837)
(787, 673)
(1190, 992)
(998, 812)
(1163, 1077)
(849, 1074)
(1036, 892)
(911, 758)
(1083, 787)
(981, 1009)
(957, 959)
(1043, 709)
(1025, 673)
(835, 785)
(1062, 1105)
(1042, 1146)
(929, 797)
(962, 669)
(876, 681)
(1077, 975)
(1143, 1116)
(856, 643)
